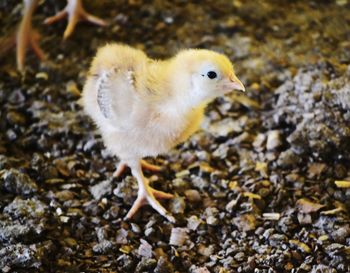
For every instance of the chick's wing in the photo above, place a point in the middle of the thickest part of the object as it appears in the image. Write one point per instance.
(116, 96)
(109, 97)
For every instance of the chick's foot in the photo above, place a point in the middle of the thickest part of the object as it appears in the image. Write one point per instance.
(75, 13)
(147, 195)
(144, 164)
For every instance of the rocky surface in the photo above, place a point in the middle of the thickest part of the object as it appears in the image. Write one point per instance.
(254, 189)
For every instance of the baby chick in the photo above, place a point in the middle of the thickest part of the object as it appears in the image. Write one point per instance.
(145, 107)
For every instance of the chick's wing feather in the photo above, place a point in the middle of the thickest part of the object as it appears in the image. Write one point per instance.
(116, 95)
(110, 94)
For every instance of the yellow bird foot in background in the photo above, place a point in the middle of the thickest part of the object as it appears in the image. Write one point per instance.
(24, 39)
(75, 12)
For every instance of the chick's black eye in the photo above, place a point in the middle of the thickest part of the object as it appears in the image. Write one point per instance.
(211, 75)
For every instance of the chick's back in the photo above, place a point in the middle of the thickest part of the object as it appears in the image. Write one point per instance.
(118, 56)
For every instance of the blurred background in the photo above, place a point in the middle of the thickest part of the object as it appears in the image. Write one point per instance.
(262, 188)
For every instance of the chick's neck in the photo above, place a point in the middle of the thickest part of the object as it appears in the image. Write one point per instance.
(164, 87)
(179, 98)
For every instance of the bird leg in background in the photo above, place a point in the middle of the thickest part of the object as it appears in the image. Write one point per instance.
(26, 35)
(144, 164)
(75, 12)
(146, 194)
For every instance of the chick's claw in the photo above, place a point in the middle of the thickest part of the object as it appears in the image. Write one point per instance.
(148, 196)
(75, 12)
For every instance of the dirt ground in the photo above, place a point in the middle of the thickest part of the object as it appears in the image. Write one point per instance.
(255, 188)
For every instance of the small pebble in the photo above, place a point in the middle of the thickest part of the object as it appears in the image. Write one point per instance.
(178, 236)
(274, 140)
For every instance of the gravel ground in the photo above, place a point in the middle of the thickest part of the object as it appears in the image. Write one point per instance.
(255, 189)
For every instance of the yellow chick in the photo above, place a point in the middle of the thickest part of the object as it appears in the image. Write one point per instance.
(145, 107)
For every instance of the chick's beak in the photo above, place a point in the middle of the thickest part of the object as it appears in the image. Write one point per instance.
(236, 84)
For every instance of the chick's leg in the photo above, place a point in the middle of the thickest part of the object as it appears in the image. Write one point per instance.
(147, 195)
(75, 12)
(26, 36)
(120, 169)
(144, 164)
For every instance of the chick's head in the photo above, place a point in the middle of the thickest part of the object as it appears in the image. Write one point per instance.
(211, 74)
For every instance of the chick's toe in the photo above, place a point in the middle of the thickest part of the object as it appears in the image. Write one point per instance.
(148, 196)
(150, 167)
